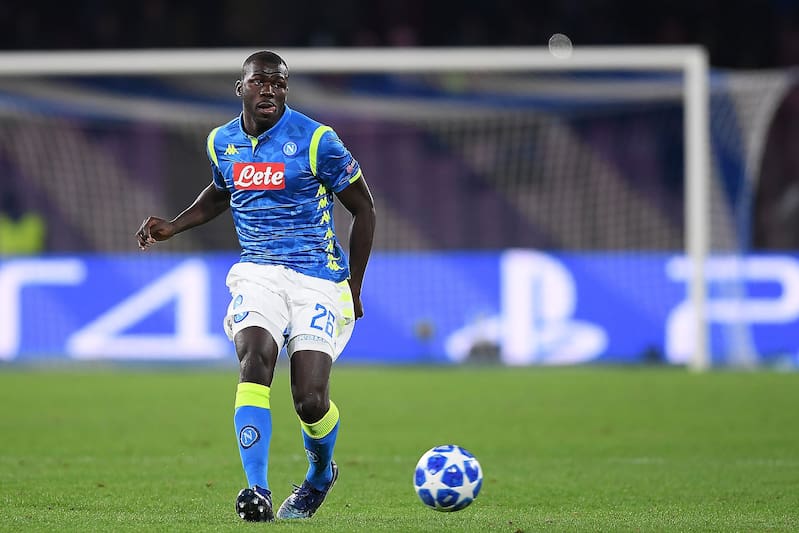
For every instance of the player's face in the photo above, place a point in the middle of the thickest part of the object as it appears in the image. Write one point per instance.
(263, 92)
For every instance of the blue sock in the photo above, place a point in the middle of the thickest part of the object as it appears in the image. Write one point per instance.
(320, 440)
(253, 421)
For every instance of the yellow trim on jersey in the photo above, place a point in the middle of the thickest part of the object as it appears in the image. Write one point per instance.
(211, 148)
(314, 148)
(356, 176)
(252, 394)
(324, 426)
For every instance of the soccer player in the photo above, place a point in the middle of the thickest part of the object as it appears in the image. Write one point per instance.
(278, 171)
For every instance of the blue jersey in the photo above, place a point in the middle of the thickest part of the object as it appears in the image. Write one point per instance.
(281, 186)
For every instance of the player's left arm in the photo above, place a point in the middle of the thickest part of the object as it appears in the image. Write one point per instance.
(357, 199)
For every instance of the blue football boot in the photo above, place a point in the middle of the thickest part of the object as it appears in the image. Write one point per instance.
(304, 501)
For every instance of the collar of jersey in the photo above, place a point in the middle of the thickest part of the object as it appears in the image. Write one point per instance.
(271, 131)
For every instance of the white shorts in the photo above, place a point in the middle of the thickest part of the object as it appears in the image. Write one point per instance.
(307, 313)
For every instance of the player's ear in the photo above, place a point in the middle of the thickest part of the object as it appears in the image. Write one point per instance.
(238, 88)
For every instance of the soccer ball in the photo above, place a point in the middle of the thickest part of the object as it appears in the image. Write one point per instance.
(447, 478)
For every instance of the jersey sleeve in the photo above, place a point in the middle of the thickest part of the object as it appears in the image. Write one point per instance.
(216, 174)
(336, 167)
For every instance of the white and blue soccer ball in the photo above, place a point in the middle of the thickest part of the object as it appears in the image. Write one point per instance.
(447, 478)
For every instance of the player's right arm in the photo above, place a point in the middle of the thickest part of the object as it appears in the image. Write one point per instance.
(209, 204)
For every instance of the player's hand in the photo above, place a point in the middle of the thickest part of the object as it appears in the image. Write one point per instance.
(358, 306)
(356, 300)
(152, 230)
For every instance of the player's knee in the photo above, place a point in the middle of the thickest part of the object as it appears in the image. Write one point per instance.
(252, 360)
(311, 405)
(257, 353)
(255, 365)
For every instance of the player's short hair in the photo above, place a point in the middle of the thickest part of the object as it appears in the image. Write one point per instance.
(265, 56)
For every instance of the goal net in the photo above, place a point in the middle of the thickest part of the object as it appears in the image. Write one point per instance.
(628, 153)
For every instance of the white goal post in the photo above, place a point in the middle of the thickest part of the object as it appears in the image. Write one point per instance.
(690, 61)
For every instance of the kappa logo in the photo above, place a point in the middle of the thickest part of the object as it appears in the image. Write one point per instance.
(231, 150)
(248, 436)
(259, 176)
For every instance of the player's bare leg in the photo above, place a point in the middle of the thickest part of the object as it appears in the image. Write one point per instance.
(257, 353)
(319, 418)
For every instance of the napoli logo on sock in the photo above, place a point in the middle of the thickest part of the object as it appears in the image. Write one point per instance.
(248, 436)
(312, 457)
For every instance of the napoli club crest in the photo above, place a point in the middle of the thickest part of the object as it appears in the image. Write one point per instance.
(290, 148)
(248, 436)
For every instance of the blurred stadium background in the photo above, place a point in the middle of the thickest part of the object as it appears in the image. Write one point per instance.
(553, 199)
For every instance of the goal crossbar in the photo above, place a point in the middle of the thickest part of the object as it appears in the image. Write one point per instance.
(316, 60)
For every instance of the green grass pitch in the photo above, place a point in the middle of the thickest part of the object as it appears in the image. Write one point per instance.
(562, 449)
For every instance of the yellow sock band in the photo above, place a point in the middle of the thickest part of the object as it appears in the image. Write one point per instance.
(324, 426)
(252, 394)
